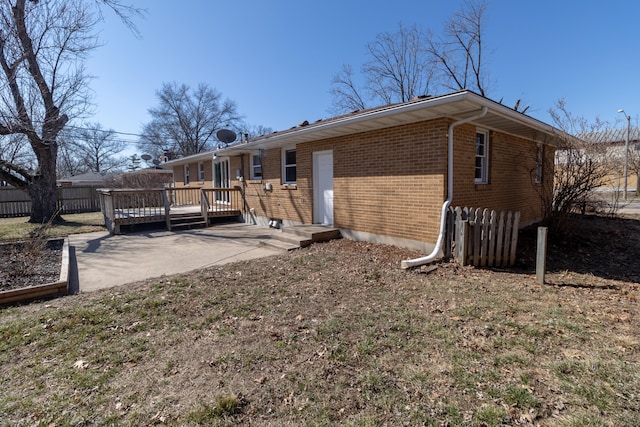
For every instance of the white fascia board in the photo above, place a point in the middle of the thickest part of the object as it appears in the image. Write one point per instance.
(205, 155)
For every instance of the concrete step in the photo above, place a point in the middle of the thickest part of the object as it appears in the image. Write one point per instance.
(291, 239)
(313, 233)
(279, 244)
(187, 222)
(182, 218)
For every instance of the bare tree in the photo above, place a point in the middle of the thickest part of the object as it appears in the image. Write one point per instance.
(185, 121)
(459, 52)
(251, 131)
(15, 150)
(43, 44)
(68, 162)
(580, 168)
(410, 63)
(133, 163)
(99, 149)
(346, 94)
(398, 70)
(145, 178)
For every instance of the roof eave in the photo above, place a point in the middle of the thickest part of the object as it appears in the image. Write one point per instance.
(205, 155)
(455, 106)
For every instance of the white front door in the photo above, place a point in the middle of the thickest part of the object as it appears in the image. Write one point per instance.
(323, 187)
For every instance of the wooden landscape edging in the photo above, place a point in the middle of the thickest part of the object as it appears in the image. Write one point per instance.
(47, 290)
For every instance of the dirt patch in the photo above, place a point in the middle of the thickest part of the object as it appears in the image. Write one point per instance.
(335, 334)
(25, 264)
(605, 248)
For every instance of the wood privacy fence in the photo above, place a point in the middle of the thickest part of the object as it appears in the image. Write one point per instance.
(71, 199)
(482, 237)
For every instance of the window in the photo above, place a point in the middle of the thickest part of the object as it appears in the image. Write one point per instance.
(201, 171)
(482, 157)
(256, 166)
(539, 163)
(289, 167)
(186, 175)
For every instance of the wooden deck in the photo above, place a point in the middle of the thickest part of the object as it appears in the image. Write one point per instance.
(171, 208)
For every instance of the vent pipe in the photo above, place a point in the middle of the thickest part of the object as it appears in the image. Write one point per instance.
(445, 206)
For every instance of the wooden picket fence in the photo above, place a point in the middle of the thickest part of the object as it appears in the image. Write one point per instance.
(482, 237)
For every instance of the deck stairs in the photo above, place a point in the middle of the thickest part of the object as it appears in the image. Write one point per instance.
(187, 221)
(300, 236)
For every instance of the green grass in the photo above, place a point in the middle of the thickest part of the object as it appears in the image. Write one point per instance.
(306, 338)
(19, 228)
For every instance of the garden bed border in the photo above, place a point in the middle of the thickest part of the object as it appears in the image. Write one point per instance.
(48, 290)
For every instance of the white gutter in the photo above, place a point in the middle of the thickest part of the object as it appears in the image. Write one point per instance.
(445, 206)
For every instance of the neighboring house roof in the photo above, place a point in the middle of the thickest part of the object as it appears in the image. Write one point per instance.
(152, 171)
(88, 178)
(458, 105)
(611, 136)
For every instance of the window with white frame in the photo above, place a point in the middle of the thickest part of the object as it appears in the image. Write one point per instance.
(482, 157)
(289, 166)
(201, 171)
(256, 166)
(186, 174)
(539, 163)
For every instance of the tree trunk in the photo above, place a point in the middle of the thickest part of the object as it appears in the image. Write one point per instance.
(43, 189)
(44, 201)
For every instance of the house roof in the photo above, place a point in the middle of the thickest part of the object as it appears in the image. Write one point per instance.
(456, 106)
(84, 178)
(614, 136)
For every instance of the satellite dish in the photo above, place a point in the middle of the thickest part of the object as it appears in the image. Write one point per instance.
(146, 157)
(156, 162)
(225, 135)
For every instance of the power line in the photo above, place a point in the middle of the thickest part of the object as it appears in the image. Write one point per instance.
(104, 130)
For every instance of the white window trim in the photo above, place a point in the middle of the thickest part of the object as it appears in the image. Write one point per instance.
(252, 166)
(539, 163)
(201, 171)
(284, 165)
(187, 178)
(484, 179)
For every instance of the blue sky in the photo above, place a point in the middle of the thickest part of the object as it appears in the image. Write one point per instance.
(276, 59)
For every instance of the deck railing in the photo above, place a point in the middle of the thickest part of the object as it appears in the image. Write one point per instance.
(223, 199)
(132, 206)
(180, 197)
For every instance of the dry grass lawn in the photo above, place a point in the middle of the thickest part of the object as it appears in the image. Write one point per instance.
(20, 227)
(337, 334)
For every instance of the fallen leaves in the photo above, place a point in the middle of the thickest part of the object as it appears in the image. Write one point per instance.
(81, 364)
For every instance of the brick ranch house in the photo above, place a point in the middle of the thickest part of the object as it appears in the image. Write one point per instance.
(381, 174)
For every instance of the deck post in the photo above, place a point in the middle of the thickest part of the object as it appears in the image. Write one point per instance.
(167, 209)
(204, 206)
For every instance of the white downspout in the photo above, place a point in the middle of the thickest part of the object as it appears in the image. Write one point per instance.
(445, 206)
